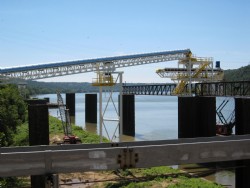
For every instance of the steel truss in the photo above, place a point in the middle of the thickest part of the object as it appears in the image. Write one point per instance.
(151, 89)
(42, 71)
(238, 88)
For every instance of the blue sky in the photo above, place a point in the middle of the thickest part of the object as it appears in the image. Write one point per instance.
(35, 32)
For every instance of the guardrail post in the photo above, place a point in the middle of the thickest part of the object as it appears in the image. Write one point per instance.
(52, 181)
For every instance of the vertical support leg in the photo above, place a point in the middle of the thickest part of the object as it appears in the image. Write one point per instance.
(100, 113)
(120, 109)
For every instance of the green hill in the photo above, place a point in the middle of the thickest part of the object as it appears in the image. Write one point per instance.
(240, 74)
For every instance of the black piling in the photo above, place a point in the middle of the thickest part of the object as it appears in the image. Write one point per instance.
(242, 119)
(70, 103)
(196, 117)
(186, 117)
(47, 99)
(36, 101)
(38, 135)
(91, 108)
(128, 114)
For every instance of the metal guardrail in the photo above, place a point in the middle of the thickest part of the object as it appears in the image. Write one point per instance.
(38, 160)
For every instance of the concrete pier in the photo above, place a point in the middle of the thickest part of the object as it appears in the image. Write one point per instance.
(242, 118)
(128, 115)
(70, 103)
(196, 117)
(91, 108)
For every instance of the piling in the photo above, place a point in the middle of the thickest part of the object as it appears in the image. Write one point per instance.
(242, 120)
(206, 116)
(38, 135)
(186, 117)
(91, 108)
(47, 99)
(128, 114)
(36, 101)
(196, 117)
(70, 103)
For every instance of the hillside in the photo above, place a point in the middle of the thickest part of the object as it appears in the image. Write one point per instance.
(240, 74)
(36, 87)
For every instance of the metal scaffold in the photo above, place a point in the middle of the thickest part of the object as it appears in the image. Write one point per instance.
(106, 79)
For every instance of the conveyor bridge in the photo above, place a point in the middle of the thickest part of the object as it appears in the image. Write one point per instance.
(35, 72)
(237, 88)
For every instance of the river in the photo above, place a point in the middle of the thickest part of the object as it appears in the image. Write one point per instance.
(156, 118)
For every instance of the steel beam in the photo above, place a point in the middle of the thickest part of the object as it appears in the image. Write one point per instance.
(27, 161)
(149, 89)
(152, 89)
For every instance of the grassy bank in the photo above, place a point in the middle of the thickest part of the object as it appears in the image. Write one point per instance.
(131, 178)
(21, 138)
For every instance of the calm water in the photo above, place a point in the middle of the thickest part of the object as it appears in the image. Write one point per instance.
(156, 118)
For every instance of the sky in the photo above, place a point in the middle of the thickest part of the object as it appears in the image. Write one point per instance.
(50, 31)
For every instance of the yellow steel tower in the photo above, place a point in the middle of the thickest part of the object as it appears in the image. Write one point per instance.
(191, 69)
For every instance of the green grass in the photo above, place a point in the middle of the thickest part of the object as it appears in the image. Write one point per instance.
(194, 183)
(21, 138)
(160, 177)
